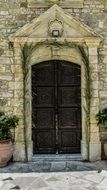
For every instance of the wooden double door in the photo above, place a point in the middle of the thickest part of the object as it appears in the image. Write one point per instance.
(56, 107)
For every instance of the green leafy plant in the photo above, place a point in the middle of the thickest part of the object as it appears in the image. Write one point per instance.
(101, 117)
(6, 125)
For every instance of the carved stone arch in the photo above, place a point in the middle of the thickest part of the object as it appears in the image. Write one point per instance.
(73, 55)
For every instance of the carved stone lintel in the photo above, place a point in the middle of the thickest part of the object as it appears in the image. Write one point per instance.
(93, 41)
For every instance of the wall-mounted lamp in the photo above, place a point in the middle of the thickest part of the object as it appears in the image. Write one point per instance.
(55, 33)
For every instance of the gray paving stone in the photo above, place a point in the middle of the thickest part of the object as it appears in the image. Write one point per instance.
(55, 166)
(38, 183)
(23, 182)
(77, 174)
(94, 178)
(1, 183)
(83, 168)
(70, 166)
(93, 188)
(77, 187)
(102, 185)
(46, 188)
(52, 179)
(6, 186)
(39, 167)
(81, 182)
(103, 173)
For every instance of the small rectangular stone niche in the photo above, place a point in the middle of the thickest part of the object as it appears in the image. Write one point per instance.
(62, 3)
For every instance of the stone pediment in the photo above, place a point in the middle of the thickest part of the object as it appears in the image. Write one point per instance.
(55, 18)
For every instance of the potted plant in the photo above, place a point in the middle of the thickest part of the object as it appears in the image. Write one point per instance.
(101, 118)
(7, 123)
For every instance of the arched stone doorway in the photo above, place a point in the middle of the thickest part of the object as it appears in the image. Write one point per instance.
(77, 44)
(56, 107)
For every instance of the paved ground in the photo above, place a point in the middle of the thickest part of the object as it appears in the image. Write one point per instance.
(53, 166)
(84, 180)
(70, 175)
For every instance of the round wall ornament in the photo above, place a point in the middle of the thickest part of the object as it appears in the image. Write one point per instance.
(55, 28)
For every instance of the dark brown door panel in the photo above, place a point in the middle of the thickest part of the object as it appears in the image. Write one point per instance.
(56, 107)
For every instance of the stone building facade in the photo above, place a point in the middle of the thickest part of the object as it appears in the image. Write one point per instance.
(27, 38)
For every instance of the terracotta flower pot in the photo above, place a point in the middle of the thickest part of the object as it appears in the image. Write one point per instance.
(6, 152)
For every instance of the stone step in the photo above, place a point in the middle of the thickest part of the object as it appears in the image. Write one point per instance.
(56, 157)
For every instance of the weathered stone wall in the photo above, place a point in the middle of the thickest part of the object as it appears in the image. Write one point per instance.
(15, 14)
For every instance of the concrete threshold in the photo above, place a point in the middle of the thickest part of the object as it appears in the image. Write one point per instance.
(57, 157)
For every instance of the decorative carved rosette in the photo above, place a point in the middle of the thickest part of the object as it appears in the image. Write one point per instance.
(55, 25)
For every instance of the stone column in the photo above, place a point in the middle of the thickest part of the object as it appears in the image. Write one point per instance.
(19, 146)
(28, 110)
(85, 123)
(94, 136)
